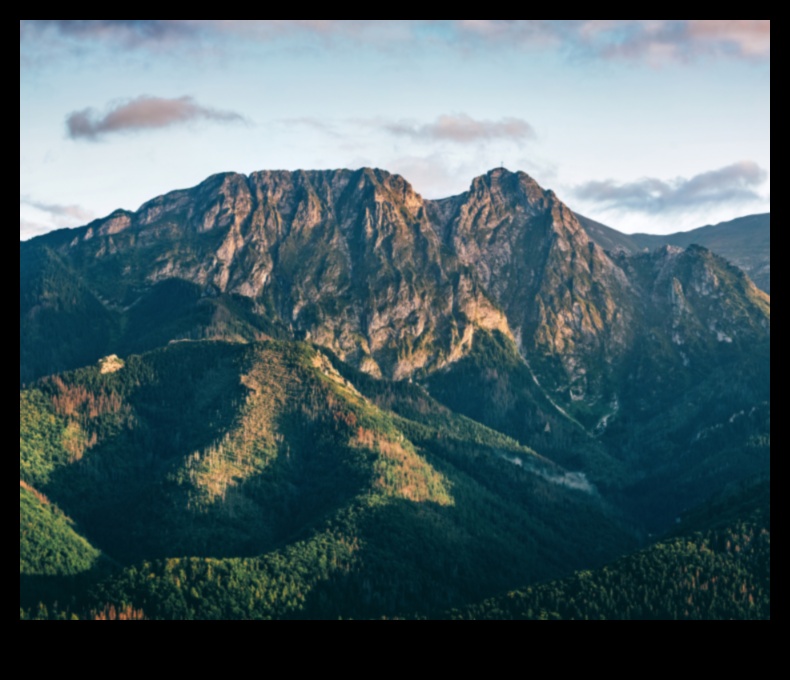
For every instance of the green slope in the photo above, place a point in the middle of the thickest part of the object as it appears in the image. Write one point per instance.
(56, 562)
(49, 544)
(256, 481)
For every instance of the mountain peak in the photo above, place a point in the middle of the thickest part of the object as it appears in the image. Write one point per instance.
(503, 184)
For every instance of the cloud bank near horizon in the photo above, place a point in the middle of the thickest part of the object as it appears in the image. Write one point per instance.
(736, 183)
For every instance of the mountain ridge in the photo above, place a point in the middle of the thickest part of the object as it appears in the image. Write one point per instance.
(229, 233)
(744, 241)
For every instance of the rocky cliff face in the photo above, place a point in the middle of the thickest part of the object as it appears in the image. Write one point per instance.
(565, 300)
(347, 259)
(358, 262)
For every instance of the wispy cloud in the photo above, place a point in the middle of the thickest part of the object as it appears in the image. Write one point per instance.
(61, 213)
(455, 128)
(463, 129)
(736, 183)
(313, 123)
(143, 113)
(651, 40)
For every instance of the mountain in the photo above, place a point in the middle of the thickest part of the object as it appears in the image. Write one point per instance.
(347, 259)
(596, 348)
(689, 407)
(300, 380)
(745, 241)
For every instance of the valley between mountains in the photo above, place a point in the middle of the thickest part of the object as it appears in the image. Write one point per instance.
(315, 394)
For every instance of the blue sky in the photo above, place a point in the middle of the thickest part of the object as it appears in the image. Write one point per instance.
(645, 125)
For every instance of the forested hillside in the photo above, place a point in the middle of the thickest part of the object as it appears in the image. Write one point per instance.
(717, 566)
(255, 481)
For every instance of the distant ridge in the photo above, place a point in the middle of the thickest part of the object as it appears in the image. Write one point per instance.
(744, 241)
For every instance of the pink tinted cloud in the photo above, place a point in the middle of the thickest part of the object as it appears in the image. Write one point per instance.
(66, 213)
(464, 129)
(143, 113)
(749, 37)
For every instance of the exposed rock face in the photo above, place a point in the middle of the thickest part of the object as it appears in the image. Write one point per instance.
(563, 297)
(358, 262)
(348, 259)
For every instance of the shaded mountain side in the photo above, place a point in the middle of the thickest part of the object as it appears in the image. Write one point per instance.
(62, 324)
(262, 468)
(695, 402)
(717, 566)
(494, 385)
(744, 241)
(688, 402)
(608, 238)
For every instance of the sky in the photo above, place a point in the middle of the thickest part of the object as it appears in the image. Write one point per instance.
(645, 125)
